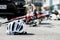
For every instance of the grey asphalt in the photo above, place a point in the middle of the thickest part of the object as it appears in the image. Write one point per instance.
(47, 30)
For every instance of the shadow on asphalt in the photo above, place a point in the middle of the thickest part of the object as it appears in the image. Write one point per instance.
(25, 34)
(45, 23)
(48, 25)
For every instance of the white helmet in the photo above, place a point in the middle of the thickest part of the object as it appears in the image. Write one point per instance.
(16, 26)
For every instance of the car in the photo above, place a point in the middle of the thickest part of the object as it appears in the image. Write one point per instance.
(12, 8)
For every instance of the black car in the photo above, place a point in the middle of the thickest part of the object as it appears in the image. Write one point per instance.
(12, 8)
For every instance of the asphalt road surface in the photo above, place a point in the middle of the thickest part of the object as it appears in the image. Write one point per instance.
(47, 30)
